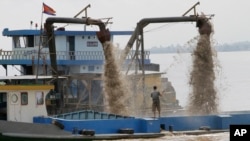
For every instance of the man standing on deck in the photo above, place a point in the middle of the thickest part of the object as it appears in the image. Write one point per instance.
(156, 101)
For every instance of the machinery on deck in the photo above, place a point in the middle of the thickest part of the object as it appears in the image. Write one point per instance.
(137, 36)
(52, 45)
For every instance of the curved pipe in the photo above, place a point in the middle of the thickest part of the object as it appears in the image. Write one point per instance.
(50, 33)
(144, 22)
(51, 38)
(84, 20)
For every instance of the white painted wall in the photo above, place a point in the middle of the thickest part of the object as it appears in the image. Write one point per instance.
(61, 43)
(84, 69)
(81, 43)
(25, 113)
(62, 49)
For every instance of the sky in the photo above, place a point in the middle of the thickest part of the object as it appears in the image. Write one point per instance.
(231, 21)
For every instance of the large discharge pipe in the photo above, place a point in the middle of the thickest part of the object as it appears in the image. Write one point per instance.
(51, 39)
(144, 22)
(138, 34)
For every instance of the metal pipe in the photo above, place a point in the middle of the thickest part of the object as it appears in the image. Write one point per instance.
(50, 33)
(51, 20)
(84, 20)
(51, 42)
(139, 31)
(144, 22)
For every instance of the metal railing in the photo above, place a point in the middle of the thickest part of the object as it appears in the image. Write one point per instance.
(61, 55)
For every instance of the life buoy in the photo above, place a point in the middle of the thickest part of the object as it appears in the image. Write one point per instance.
(14, 98)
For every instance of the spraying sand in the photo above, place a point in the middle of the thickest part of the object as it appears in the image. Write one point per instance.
(115, 91)
(203, 99)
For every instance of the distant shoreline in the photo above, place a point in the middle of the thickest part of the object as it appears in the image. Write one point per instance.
(233, 47)
(165, 52)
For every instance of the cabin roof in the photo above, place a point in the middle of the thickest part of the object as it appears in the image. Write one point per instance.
(132, 72)
(26, 32)
(23, 77)
(27, 77)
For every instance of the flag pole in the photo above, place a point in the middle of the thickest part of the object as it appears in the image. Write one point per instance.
(39, 45)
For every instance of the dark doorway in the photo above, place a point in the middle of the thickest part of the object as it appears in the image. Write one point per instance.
(3, 106)
(71, 43)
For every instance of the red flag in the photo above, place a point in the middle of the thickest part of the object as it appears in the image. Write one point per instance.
(48, 10)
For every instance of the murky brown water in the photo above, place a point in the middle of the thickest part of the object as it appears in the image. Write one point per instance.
(205, 137)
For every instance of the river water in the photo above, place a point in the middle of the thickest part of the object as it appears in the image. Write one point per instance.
(232, 77)
(232, 84)
(204, 137)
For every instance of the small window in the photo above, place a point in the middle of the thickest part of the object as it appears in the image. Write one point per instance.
(16, 41)
(30, 41)
(91, 68)
(3, 97)
(45, 41)
(92, 44)
(39, 98)
(24, 98)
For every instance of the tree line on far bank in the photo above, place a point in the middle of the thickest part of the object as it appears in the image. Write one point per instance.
(238, 46)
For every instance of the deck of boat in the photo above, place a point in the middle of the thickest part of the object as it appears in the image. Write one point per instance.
(30, 128)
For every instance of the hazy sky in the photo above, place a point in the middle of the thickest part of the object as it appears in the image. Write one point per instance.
(231, 21)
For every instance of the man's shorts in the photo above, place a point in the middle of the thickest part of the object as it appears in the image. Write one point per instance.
(156, 105)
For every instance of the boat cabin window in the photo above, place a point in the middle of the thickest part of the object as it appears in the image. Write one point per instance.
(91, 68)
(3, 97)
(17, 42)
(30, 41)
(43, 43)
(25, 81)
(3, 106)
(92, 44)
(24, 98)
(39, 98)
(23, 41)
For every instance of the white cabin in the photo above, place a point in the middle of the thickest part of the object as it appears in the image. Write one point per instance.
(21, 99)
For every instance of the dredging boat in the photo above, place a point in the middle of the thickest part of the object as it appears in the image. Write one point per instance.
(60, 96)
(60, 74)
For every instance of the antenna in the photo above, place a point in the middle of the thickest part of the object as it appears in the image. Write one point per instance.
(193, 7)
(209, 16)
(86, 14)
(84, 9)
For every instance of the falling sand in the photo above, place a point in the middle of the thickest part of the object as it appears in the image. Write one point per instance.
(114, 89)
(203, 99)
